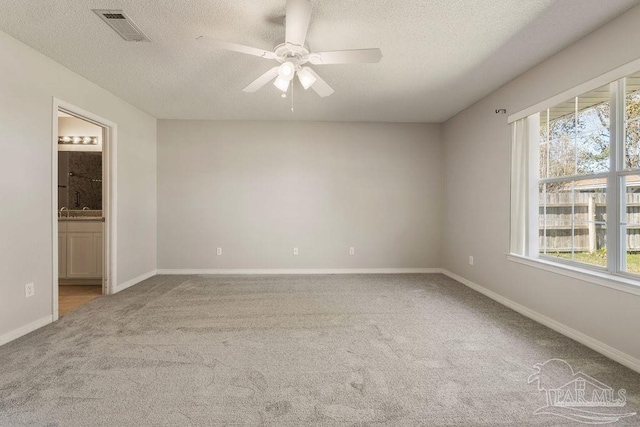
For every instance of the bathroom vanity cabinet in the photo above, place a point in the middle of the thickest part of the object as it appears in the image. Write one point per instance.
(80, 249)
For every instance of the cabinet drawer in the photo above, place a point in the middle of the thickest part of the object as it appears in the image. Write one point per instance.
(84, 226)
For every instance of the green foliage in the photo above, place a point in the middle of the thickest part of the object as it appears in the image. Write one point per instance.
(600, 258)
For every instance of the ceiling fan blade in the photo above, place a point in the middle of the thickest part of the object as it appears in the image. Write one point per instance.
(320, 86)
(262, 80)
(297, 21)
(235, 47)
(355, 56)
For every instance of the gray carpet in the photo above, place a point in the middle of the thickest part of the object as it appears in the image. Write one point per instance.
(360, 350)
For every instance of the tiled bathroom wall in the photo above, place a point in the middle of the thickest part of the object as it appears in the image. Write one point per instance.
(80, 180)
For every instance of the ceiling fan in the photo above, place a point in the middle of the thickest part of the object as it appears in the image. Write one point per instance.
(293, 54)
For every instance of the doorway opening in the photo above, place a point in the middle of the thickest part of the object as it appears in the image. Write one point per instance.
(83, 202)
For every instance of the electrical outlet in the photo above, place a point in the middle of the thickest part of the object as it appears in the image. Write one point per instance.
(470, 260)
(352, 250)
(29, 290)
(218, 251)
(295, 251)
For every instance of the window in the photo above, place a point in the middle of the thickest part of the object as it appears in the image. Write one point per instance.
(574, 161)
(576, 180)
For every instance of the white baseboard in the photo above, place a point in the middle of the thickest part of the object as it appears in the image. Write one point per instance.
(134, 281)
(602, 348)
(301, 271)
(17, 333)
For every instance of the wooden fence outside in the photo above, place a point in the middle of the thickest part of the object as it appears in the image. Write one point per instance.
(586, 224)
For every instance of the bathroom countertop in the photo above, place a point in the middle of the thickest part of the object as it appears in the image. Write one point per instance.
(81, 218)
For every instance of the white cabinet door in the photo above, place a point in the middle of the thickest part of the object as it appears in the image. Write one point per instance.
(97, 244)
(81, 255)
(62, 255)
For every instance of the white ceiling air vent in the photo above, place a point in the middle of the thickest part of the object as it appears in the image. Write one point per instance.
(122, 24)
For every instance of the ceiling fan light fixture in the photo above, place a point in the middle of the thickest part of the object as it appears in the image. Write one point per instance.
(306, 78)
(282, 84)
(287, 70)
(293, 54)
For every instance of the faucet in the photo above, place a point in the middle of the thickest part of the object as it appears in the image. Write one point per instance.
(63, 209)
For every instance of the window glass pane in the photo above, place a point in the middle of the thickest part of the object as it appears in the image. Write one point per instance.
(574, 136)
(555, 239)
(574, 159)
(630, 229)
(557, 141)
(555, 219)
(572, 220)
(543, 141)
(592, 132)
(632, 122)
(562, 149)
(561, 157)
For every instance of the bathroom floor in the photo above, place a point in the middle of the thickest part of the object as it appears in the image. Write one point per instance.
(71, 297)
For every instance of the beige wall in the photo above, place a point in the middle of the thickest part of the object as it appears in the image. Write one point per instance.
(258, 189)
(476, 194)
(28, 83)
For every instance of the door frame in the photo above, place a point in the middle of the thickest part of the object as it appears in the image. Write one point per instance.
(109, 196)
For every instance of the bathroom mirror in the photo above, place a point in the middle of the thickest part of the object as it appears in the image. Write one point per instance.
(80, 180)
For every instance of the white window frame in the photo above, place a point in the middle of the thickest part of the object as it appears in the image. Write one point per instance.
(612, 202)
(613, 275)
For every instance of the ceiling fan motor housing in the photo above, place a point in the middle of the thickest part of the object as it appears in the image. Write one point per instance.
(287, 52)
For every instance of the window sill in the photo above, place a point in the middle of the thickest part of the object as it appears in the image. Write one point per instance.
(611, 281)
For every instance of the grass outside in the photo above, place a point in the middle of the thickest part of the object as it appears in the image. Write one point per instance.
(600, 258)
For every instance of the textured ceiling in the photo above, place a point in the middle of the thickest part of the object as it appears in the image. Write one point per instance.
(439, 55)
